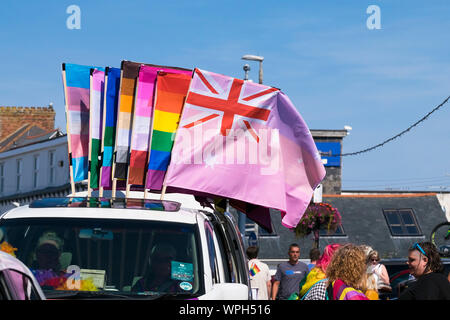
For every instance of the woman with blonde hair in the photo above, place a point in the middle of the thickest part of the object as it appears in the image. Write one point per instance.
(346, 273)
(378, 271)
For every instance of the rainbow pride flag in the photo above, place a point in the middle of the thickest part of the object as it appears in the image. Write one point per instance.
(95, 124)
(76, 80)
(110, 106)
(254, 270)
(142, 122)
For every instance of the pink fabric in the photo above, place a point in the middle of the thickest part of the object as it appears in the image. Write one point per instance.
(257, 150)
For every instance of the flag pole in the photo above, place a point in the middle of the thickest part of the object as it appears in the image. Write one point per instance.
(72, 182)
(100, 187)
(90, 133)
(114, 184)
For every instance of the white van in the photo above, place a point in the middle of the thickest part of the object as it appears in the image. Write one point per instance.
(130, 248)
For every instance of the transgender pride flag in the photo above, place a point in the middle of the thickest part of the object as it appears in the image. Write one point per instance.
(245, 141)
(76, 90)
(112, 85)
(143, 111)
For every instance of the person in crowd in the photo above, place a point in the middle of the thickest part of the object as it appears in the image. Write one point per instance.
(371, 278)
(318, 272)
(289, 274)
(425, 265)
(346, 274)
(314, 255)
(318, 291)
(260, 279)
(379, 272)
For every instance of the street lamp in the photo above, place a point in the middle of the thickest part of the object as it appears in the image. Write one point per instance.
(246, 69)
(256, 58)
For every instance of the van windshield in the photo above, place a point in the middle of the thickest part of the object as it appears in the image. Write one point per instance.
(107, 258)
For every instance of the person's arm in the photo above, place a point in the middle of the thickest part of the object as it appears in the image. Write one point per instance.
(269, 288)
(384, 274)
(276, 285)
(268, 281)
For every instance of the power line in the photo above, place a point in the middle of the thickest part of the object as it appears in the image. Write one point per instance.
(400, 179)
(394, 137)
(395, 186)
(403, 180)
(392, 184)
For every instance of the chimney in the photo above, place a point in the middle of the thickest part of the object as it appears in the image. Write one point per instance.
(12, 118)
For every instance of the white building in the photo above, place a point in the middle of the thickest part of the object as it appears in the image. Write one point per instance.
(35, 170)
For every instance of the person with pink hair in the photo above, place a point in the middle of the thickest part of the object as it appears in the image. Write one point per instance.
(318, 272)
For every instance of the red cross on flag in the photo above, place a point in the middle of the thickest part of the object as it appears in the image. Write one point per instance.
(229, 102)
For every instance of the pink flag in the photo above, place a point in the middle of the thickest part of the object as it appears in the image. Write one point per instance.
(245, 141)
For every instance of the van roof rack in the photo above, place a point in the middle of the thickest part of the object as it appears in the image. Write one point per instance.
(113, 203)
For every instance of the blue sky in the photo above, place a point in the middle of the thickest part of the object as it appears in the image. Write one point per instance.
(320, 53)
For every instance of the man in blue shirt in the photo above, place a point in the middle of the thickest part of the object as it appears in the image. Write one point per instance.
(289, 275)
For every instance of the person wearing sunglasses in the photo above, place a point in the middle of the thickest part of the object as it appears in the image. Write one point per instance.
(425, 265)
(379, 271)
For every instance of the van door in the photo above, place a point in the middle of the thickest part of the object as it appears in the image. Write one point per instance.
(231, 244)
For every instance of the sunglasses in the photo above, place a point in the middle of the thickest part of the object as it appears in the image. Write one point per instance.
(418, 247)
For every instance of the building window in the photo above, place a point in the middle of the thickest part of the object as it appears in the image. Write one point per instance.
(35, 171)
(52, 167)
(402, 222)
(338, 233)
(2, 177)
(18, 174)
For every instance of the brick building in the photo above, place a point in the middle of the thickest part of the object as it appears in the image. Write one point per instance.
(14, 118)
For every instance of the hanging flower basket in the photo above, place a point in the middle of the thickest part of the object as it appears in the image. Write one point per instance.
(318, 216)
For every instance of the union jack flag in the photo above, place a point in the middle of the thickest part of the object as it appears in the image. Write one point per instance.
(236, 103)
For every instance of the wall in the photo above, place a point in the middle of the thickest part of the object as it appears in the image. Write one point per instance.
(27, 154)
(12, 118)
